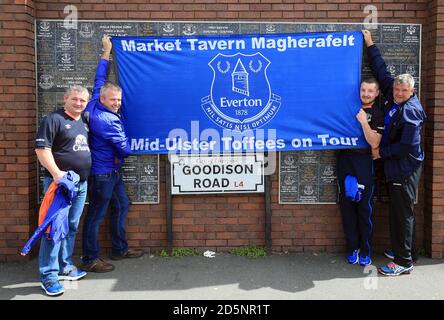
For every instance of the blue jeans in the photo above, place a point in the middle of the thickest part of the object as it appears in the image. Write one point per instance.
(57, 258)
(104, 190)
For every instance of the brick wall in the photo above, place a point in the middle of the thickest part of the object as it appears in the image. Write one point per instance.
(214, 222)
(17, 125)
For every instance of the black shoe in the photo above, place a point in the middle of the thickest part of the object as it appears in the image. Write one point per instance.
(130, 254)
(98, 265)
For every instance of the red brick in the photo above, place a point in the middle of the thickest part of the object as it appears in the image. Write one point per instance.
(200, 7)
(271, 15)
(180, 207)
(180, 221)
(237, 242)
(228, 14)
(227, 221)
(216, 243)
(14, 229)
(183, 15)
(227, 235)
(226, 7)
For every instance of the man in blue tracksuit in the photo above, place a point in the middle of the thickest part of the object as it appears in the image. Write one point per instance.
(109, 146)
(357, 213)
(402, 154)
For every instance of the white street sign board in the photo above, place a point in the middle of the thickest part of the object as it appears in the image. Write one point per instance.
(205, 174)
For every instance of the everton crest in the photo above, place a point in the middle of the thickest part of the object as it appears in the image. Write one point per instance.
(46, 81)
(240, 95)
(86, 30)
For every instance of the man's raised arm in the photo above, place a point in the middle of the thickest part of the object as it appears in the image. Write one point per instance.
(378, 65)
(102, 67)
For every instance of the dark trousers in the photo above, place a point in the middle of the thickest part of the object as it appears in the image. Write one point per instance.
(402, 217)
(357, 217)
(105, 190)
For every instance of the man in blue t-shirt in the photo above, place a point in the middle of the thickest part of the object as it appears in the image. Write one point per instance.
(61, 145)
(109, 146)
(402, 155)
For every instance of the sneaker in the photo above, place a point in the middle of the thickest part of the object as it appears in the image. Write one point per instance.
(365, 260)
(393, 269)
(73, 275)
(98, 265)
(389, 254)
(54, 289)
(130, 254)
(353, 258)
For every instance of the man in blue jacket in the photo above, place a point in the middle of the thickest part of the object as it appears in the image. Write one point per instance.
(109, 146)
(402, 155)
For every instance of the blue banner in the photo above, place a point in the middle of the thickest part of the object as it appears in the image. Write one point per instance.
(242, 93)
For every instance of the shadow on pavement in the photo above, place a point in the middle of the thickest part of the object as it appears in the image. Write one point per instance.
(287, 273)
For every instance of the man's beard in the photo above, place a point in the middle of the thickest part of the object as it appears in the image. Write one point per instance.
(368, 104)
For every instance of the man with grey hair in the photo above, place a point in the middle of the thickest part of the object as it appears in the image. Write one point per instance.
(61, 145)
(402, 155)
(109, 146)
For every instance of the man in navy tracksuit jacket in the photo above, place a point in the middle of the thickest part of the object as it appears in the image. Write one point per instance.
(109, 146)
(402, 155)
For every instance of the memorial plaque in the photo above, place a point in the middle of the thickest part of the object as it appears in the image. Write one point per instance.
(308, 28)
(141, 177)
(117, 28)
(407, 54)
(66, 61)
(308, 193)
(307, 177)
(391, 34)
(86, 30)
(328, 193)
(327, 174)
(411, 34)
(46, 51)
(270, 28)
(45, 30)
(146, 28)
(72, 79)
(86, 52)
(213, 29)
(376, 35)
(411, 69)
(250, 28)
(188, 29)
(309, 173)
(167, 29)
(69, 56)
(309, 157)
(46, 81)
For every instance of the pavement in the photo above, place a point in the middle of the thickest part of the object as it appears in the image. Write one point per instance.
(304, 276)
